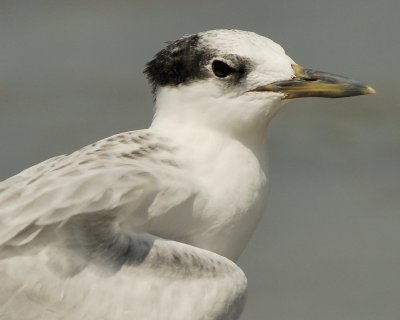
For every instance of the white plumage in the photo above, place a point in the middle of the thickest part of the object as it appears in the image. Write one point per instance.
(146, 224)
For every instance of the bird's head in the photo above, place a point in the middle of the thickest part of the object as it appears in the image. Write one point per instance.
(234, 81)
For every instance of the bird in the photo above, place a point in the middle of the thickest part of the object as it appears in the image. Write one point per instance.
(149, 224)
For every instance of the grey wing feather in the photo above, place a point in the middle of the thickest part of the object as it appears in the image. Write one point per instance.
(114, 175)
(78, 234)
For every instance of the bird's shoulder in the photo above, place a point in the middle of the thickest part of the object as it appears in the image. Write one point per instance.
(126, 150)
(114, 175)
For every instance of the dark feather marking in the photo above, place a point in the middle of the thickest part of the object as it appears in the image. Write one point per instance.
(136, 140)
(62, 166)
(182, 61)
(127, 155)
(34, 179)
(241, 65)
(94, 237)
(169, 162)
(144, 136)
(137, 153)
(86, 161)
(185, 60)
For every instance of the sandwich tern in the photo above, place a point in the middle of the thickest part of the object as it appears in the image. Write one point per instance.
(148, 224)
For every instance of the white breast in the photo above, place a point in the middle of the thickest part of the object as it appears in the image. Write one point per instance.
(232, 196)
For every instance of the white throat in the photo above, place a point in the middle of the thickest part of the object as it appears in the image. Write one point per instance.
(242, 116)
(223, 140)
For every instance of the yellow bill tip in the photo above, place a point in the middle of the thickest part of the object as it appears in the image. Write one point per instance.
(369, 90)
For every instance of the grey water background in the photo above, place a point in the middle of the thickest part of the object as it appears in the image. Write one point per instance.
(328, 247)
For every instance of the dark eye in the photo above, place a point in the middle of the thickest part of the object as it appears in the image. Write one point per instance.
(221, 69)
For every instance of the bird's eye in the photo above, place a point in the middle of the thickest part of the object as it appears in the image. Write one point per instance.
(221, 69)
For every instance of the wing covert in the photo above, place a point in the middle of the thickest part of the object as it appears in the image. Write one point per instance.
(115, 176)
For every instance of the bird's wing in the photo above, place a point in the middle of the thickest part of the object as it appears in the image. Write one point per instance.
(172, 281)
(114, 177)
(75, 240)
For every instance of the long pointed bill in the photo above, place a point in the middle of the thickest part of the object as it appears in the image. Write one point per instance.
(310, 83)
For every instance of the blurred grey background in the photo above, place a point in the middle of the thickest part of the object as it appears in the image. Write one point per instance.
(328, 248)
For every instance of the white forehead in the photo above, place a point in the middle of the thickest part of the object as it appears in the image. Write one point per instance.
(244, 43)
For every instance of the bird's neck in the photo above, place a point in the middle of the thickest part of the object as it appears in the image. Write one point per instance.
(232, 180)
(228, 156)
(200, 108)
